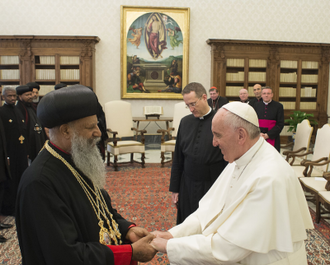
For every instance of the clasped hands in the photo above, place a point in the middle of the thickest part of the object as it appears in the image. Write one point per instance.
(264, 135)
(145, 245)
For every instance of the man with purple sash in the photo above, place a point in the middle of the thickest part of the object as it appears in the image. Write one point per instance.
(271, 117)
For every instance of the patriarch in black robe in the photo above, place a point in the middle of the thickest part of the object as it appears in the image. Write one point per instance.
(63, 214)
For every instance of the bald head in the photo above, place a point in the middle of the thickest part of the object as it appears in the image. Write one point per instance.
(257, 90)
(243, 95)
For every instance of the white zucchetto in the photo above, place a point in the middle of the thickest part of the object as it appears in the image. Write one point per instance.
(243, 110)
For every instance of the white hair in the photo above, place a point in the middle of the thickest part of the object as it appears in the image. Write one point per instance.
(8, 88)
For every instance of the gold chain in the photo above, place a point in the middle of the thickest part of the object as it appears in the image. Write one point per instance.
(99, 205)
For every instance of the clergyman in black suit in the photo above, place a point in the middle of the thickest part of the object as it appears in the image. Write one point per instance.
(216, 101)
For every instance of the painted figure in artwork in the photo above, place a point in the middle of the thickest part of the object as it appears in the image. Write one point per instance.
(137, 33)
(174, 84)
(173, 68)
(174, 37)
(134, 80)
(154, 34)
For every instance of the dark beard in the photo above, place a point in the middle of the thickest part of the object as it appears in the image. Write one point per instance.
(86, 156)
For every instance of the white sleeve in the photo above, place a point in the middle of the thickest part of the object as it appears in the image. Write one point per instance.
(199, 249)
(190, 226)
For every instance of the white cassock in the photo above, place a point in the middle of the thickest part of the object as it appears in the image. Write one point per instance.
(255, 213)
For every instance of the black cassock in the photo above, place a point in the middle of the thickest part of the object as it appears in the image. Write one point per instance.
(4, 166)
(16, 146)
(196, 163)
(56, 223)
(268, 113)
(254, 101)
(35, 133)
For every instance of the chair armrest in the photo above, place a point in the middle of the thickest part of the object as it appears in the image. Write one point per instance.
(137, 132)
(293, 154)
(113, 139)
(311, 164)
(304, 161)
(303, 154)
(326, 175)
(287, 145)
(163, 132)
(112, 132)
(317, 162)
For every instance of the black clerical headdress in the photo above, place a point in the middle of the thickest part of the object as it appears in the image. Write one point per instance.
(20, 90)
(33, 85)
(66, 104)
(60, 85)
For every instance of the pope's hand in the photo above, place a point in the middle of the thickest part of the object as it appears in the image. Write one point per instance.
(161, 234)
(159, 244)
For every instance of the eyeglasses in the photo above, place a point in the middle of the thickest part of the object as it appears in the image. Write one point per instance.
(192, 105)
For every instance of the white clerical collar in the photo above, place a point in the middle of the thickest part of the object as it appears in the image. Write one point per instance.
(246, 158)
(202, 118)
(266, 103)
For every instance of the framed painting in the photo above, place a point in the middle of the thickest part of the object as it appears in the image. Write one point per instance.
(154, 52)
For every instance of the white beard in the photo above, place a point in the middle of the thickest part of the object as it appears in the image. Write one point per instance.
(86, 156)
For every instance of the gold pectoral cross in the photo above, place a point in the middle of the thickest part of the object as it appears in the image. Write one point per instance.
(21, 139)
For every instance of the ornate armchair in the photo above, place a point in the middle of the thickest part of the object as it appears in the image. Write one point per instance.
(323, 200)
(310, 172)
(320, 156)
(301, 143)
(180, 111)
(123, 138)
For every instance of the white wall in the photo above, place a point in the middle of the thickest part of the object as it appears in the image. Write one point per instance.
(280, 20)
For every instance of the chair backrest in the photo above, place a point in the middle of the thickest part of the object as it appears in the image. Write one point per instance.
(180, 111)
(322, 145)
(118, 115)
(303, 135)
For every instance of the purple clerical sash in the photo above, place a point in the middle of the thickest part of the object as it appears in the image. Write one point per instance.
(269, 124)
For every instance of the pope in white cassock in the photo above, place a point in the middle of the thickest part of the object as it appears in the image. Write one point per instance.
(255, 213)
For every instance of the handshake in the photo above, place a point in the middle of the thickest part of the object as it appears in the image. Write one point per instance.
(145, 245)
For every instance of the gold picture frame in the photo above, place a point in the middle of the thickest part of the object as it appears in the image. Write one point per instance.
(154, 52)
